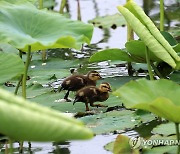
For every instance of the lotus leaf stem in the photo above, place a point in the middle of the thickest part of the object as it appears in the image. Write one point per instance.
(161, 15)
(79, 10)
(25, 72)
(149, 64)
(130, 36)
(18, 85)
(156, 70)
(44, 55)
(63, 4)
(11, 146)
(40, 4)
(178, 137)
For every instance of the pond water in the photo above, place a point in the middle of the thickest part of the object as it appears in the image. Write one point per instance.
(116, 39)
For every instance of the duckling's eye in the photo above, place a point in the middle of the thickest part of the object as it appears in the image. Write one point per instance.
(106, 87)
(95, 74)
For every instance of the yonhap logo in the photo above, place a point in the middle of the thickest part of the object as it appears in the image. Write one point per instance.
(139, 142)
(135, 142)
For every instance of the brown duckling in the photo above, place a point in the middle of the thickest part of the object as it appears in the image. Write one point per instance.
(76, 82)
(91, 94)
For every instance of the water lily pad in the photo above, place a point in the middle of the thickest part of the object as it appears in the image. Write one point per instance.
(10, 66)
(26, 121)
(109, 21)
(153, 96)
(170, 129)
(42, 29)
(114, 120)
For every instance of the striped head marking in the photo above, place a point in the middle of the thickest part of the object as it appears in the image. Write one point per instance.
(105, 87)
(94, 75)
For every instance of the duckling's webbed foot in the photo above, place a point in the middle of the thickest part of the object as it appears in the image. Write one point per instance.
(68, 100)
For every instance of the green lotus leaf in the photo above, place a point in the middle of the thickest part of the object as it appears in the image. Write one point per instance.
(5, 47)
(161, 149)
(175, 76)
(137, 48)
(23, 25)
(109, 146)
(19, 1)
(115, 54)
(122, 146)
(177, 47)
(170, 129)
(110, 54)
(147, 22)
(27, 121)
(10, 66)
(160, 97)
(165, 108)
(153, 39)
(115, 120)
(169, 38)
(109, 21)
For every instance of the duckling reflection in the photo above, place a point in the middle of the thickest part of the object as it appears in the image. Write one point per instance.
(91, 94)
(76, 82)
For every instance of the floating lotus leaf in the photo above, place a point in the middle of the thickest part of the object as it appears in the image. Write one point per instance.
(160, 97)
(10, 66)
(109, 21)
(170, 129)
(161, 149)
(115, 120)
(26, 121)
(23, 24)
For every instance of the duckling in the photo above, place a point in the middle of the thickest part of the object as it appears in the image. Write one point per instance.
(91, 94)
(76, 82)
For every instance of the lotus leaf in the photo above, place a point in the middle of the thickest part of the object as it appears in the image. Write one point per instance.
(109, 21)
(10, 66)
(23, 25)
(115, 120)
(161, 149)
(26, 121)
(110, 54)
(153, 39)
(160, 97)
(5, 47)
(170, 129)
(122, 146)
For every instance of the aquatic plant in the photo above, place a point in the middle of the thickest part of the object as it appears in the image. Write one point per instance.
(29, 121)
(160, 97)
(155, 47)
